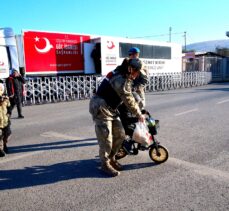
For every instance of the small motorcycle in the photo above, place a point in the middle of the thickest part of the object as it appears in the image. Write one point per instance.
(157, 152)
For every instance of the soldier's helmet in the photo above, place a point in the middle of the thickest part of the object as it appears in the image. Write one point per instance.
(136, 64)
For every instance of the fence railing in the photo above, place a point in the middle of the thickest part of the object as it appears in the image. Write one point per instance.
(65, 88)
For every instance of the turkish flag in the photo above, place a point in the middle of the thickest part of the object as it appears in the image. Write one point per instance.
(47, 52)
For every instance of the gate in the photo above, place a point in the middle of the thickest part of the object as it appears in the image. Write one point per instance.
(65, 88)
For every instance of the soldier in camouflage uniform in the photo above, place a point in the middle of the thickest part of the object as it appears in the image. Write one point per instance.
(114, 90)
(5, 131)
(140, 82)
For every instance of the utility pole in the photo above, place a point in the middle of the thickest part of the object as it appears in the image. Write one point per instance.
(185, 34)
(170, 33)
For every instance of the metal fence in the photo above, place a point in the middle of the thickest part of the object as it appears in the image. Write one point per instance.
(57, 89)
(217, 65)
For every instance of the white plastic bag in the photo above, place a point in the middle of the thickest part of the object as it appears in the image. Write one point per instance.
(141, 134)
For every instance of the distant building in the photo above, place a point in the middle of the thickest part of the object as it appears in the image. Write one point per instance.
(223, 51)
(208, 62)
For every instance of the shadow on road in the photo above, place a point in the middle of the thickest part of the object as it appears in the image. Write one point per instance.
(224, 89)
(49, 174)
(52, 145)
(139, 165)
(41, 175)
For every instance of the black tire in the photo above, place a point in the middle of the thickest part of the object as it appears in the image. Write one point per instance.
(159, 156)
(121, 154)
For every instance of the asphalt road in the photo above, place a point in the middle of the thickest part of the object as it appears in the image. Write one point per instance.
(53, 162)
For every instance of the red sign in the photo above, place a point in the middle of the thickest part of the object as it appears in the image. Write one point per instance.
(47, 52)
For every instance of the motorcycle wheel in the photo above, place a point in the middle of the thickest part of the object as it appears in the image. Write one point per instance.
(160, 155)
(121, 154)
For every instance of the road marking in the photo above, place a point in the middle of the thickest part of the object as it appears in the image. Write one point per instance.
(51, 134)
(20, 156)
(202, 170)
(223, 101)
(186, 112)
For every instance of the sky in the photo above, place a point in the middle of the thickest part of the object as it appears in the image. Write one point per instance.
(200, 20)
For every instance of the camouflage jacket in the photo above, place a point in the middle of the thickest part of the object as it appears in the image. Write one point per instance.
(123, 87)
(4, 107)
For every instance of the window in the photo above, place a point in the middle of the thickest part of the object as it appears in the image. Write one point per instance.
(147, 51)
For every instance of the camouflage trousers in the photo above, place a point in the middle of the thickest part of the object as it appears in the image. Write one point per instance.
(108, 128)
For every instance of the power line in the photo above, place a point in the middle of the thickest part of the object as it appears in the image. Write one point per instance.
(170, 36)
(159, 35)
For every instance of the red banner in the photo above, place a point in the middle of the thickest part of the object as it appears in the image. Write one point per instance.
(47, 52)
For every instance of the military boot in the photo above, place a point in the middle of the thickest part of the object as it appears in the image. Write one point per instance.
(5, 141)
(6, 150)
(109, 170)
(116, 165)
(2, 153)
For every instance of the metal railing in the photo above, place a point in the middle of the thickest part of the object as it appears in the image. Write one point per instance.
(56, 89)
